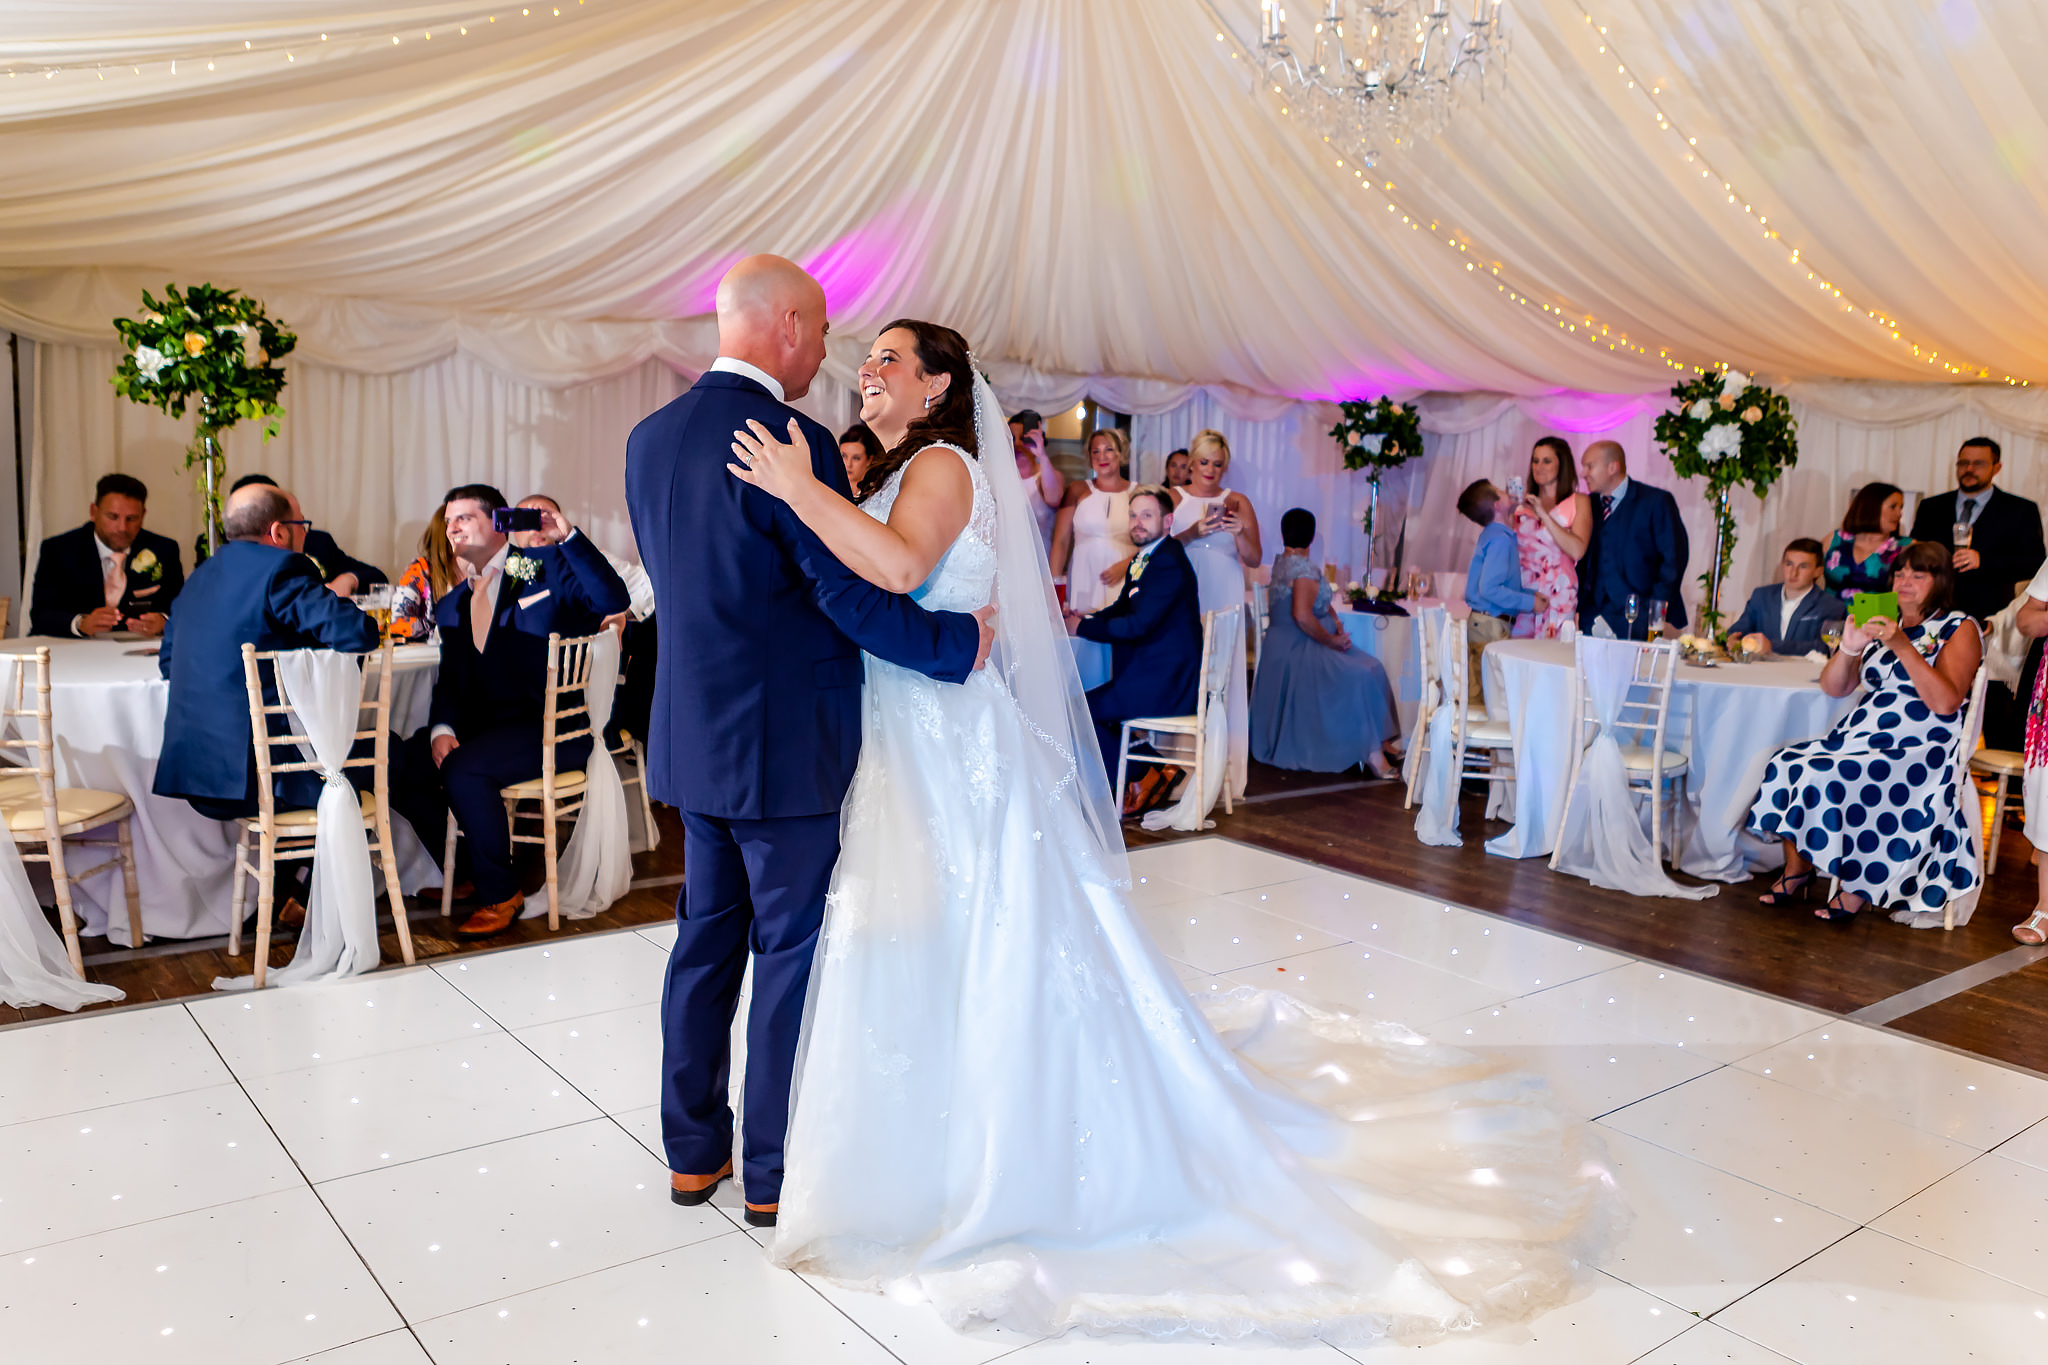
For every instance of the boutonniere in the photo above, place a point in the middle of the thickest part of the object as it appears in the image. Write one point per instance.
(318, 567)
(522, 567)
(1138, 567)
(147, 565)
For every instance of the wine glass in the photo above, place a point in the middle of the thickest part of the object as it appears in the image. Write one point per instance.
(1655, 624)
(1831, 635)
(1632, 610)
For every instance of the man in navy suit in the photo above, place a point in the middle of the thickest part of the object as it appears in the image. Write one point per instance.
(109, 574)
(1790, 613)
(484, 726)
(755, 727)
(1638, 547)
(342, 572)
(1154, 629)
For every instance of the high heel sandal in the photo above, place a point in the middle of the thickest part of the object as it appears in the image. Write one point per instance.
(2035, 925)
(1789, 889)
(1838, 910)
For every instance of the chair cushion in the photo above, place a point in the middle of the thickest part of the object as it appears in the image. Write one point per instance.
(1994, 761)
(24, 810)
(530, 791)
(1177, 725)
(307, 818)
(1639, 759)
(1489, 734)
(15, 781)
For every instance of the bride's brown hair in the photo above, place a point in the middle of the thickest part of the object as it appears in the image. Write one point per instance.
(940, 350)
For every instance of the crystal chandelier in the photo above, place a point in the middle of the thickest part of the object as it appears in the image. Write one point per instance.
(1382, 72)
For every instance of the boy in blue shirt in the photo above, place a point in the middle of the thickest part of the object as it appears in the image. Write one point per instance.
(1493, 582)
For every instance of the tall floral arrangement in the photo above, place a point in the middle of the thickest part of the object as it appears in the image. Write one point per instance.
(1729, 431)
(213, 348)
(1377, 436)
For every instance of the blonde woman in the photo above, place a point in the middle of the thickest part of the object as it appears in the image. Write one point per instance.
(1091, 541)
(1221, 534)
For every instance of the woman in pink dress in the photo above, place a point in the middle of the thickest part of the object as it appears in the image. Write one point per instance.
(1552, 525)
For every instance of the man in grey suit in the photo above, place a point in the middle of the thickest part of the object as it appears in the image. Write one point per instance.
(1791, 612)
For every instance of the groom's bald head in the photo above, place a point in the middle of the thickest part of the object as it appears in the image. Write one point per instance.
(771, 314)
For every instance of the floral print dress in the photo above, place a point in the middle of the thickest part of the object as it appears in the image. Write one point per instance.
(1547, 569)
(1846, 575)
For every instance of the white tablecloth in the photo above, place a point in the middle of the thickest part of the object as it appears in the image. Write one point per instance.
(107, 705)
(1728, 720)
(1391, 640)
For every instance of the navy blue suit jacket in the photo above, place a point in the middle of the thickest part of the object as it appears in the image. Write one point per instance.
(1154, 632)
(758, 685)
(571, 592)
(1638, 548)
(69, 582)
(249, 593)
(1767, 606)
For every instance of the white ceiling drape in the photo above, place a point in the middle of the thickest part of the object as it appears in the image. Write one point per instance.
(1083, 188)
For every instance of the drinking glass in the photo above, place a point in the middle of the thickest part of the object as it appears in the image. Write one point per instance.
(376, 600)
(1831, 635)
(1632, 611)
(1415, 585)
(1655, 624)
(1962, 536)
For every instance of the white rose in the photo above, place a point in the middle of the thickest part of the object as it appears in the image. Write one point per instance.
(1700, 411)
(149, 360)
(1372, 442)
(1731, 383)
(1721, 441)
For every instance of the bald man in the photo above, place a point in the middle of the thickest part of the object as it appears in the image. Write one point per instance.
(756, 719)
(1638, 547)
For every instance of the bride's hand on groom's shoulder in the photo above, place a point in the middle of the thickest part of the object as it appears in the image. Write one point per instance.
(781, 469)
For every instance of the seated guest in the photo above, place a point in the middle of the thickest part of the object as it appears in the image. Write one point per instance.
(484, 729)
(858, 448)
(1153, 629)
(425, 581)
(1791, 612)
(1860, 557)
(555, 529)
(1638, 547)
(109, 574)
(260, 589)
(343, 574)
(1874, 801)
(1493, 582)
(2005, 531)
(1318, 703)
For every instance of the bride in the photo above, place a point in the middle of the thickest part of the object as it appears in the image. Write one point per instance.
(1005, 1102)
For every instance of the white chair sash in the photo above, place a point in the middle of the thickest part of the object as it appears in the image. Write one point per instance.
(1191, 812)
(325, 692)
(35, 969)
(1436, 815)
(1603, 839)
(597, 866)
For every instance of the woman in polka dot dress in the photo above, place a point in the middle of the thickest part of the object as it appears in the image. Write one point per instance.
(1874, 801)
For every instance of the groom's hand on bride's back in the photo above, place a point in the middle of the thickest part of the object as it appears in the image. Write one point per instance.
(984, 617)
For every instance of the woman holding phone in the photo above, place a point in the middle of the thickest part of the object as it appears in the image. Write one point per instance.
(1874, 801)
(1218, 527)
(1552, 522)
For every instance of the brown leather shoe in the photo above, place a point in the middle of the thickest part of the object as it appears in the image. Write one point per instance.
(492, 920)
(761, 1215)
(692, 1190)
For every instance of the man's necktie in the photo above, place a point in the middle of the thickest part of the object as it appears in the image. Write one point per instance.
(117, 578)
(1606, 505)
(1969, 511)
(480, 608)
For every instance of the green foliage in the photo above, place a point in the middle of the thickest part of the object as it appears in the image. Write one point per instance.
(1732, 433)
(1378, 435)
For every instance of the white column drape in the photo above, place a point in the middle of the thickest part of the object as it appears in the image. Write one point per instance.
(1436, 819)
(325, 691)
(597, 866)
(1199, 798)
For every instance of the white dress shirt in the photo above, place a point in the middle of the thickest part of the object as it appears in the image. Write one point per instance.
(1787, 606)
(639, 587)
(725, 364)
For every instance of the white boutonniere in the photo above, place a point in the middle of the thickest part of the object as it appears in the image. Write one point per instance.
(522, 567)
(147, 564)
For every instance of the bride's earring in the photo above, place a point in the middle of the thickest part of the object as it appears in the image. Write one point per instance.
(928, 399)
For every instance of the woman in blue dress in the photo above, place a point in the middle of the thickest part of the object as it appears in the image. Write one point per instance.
(1319, 703)
(1874, 801)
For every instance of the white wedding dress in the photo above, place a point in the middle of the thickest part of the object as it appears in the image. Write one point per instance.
(1006, 1104)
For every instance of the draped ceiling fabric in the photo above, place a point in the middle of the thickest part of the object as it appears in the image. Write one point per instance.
(459, 225)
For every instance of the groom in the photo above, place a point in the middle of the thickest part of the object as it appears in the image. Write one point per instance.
(756, 720)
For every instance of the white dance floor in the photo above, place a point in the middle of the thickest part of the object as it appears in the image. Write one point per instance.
(460, 1164)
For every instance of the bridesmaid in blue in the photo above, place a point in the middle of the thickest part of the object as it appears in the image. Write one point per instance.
(1319, 704)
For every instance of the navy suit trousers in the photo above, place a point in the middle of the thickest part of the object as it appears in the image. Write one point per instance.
(750, 886)
(467, 785)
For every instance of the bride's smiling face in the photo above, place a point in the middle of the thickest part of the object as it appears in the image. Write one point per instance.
(893, 386)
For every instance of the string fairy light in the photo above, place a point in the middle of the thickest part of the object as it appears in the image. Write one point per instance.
(1574, 323)
(288, 47)
(1888, 328)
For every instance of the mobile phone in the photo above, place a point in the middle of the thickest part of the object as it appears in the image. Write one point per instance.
(1866, 605)
(508, 519)
(1027, 421)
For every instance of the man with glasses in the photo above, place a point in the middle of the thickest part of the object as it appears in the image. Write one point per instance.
(339, 570)
(259, 589)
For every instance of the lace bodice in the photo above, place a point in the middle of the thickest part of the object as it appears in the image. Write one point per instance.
(965, 577)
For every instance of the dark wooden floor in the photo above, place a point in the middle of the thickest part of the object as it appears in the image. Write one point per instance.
(1784, 952)
(1362, 829)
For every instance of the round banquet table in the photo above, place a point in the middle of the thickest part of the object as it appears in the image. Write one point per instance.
(1728, 720)
(1391, 640)
(107, 706)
